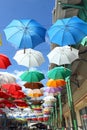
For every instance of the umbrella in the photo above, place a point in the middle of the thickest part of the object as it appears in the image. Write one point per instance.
(25, 33)
(29, 58)
(49, 98)
(84, 41)
(4, 61)
(35, 93)
(11, 87)
(6, 77)
(63, 55)
(32, 76)
(6, 103)
(67, 31)
(53, 90)
(18, 94)
(4, 95)
(20, 103)
(55, 83)
(33, 85)
(59, 73)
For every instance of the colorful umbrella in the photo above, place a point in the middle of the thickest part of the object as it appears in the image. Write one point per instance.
(63, 55)
(55, 83)
(11, 88)
(49, 98)
(4, 95)
(18, 94)
(59, 73)
(35, 93)
(67, 31)
(29, 58)
(25, 33)
(33, 85)
(7, 103)
(32, 76)
(53, 89)
(20, 103)
(6, 77)
(4, 61)
(36, 102)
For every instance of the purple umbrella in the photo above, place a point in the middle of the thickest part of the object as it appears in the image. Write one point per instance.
(53, 90)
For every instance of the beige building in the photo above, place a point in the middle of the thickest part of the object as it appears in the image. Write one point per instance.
(63, 9)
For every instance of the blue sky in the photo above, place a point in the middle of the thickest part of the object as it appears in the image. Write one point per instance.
(40, 10)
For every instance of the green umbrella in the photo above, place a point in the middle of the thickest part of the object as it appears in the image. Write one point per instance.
(84, 41)
(32, 76)
(58, 73)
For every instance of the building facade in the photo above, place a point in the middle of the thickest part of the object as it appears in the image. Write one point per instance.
(64, 9)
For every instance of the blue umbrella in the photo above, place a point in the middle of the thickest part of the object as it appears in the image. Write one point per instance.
(67, 31)
(25, 33)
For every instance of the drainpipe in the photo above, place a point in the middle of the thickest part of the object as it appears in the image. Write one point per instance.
(71, 104)
(60, 109)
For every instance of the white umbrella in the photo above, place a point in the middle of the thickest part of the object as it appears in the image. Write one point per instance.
(63, 55)
(49, 98)
(6, 77)
(29, 58)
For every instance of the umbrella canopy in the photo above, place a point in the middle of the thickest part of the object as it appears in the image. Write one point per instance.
(25, 33)
(18, 94)
(32, 76)
(84, 41)
(11, 87)
(6, 77)
(20, 103)
(63, 55)
(4, 61)
(58, 73)
(6, 103)
(35, 93)
(4, 95)
(53, 89)
(29, 58)
(67, 31)
(49, 98)
(33, 85)
(55, 83)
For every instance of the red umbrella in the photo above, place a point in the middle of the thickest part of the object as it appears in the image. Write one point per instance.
(11, 87)
(20, 103)
(6, 103)
(18, 94)
(4, 95)
(4, 61)
(2, 112)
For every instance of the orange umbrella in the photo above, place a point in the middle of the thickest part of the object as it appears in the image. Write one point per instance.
(35, 93)
(55, 83)
(34, 85)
